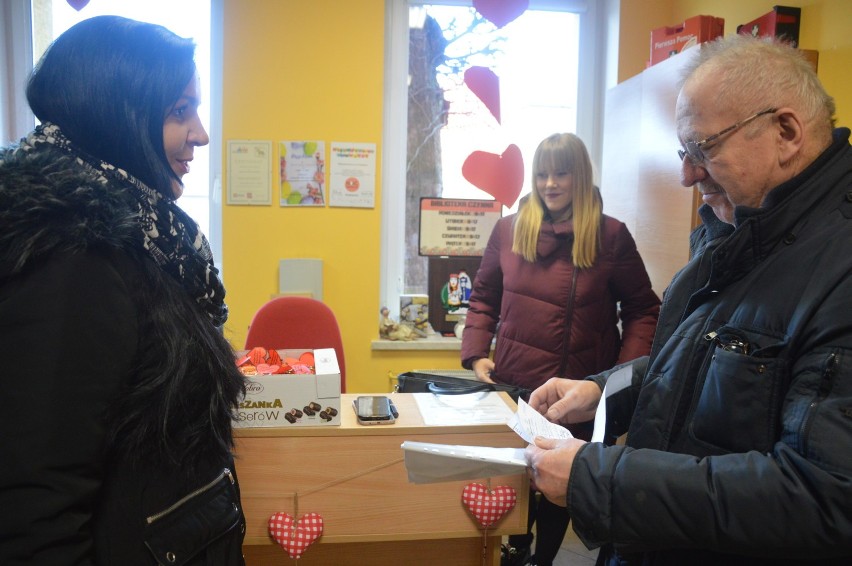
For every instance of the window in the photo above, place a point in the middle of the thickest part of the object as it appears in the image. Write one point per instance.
(541, 58)
(187, 18)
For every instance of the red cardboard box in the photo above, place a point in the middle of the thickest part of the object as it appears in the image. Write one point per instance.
(668, 41)
(782, 21)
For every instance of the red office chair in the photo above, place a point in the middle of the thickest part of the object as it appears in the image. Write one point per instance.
(294, 323)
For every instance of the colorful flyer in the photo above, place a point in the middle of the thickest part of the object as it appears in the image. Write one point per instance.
(249, 172)
(353, 175)
(302, 173)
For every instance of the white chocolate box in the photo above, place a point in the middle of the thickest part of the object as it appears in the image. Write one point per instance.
(283, 400)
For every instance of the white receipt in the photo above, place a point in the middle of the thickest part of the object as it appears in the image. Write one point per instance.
(529, 423)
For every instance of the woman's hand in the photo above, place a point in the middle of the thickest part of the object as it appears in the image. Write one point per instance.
(483, 367)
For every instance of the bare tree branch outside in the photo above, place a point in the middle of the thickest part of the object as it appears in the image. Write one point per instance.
(437, 61)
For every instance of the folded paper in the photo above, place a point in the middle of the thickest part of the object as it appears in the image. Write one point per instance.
(432, 463)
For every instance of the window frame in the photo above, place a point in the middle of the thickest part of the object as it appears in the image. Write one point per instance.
(597, 51)
(16, 34)
(16, 30)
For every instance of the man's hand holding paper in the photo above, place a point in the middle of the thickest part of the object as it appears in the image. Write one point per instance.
(566, 401)
(550, 461)
(551, 447)
(551, 455)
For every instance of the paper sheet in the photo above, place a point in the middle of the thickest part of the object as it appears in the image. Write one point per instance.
(469, 409)
(529, 423)
(617, 381)
(432, 463)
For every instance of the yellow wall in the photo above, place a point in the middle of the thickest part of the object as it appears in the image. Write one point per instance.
(314, 70)
(824, 27)
(310, 70)
(638, 18)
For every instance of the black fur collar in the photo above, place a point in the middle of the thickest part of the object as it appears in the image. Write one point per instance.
(50, 204)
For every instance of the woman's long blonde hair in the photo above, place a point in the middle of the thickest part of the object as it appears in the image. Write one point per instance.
(562, 152)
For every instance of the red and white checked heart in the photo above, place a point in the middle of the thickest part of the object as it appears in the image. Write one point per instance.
(295, 536)
(489, 506)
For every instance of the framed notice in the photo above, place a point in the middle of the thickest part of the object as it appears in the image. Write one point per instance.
(353, 175)
(249, 172)
(456, 227)
(301, 166)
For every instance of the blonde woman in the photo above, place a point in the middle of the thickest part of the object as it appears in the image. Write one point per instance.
(557, 278)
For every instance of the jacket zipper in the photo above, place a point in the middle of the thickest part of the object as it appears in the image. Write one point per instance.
(199, 491)
(570, 311)
(822, 393)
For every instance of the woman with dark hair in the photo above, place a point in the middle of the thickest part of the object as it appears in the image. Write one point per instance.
(571, 296)
(118, 385)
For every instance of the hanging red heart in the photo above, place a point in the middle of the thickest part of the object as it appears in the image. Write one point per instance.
(489, 506)
(501, 176)
(501, 12)
(486, 86)
(295, 536)
(78, 4)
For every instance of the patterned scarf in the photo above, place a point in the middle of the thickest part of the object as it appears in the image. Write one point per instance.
(169, 236)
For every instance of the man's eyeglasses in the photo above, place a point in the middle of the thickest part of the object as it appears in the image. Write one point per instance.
(692, 149)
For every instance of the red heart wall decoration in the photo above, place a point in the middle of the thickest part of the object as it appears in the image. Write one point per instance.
(501, 176)
(78, 4)
(489, 506)
(295, 536)
(486, 86)
(501, 12)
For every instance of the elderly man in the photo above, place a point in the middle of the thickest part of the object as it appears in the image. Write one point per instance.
(739, 447)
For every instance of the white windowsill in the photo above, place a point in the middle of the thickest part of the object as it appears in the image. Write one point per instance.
(436, 342)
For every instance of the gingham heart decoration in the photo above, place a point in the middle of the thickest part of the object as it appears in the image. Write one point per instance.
(295, 536)
(489, 506)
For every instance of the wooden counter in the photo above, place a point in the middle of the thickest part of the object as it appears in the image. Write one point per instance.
(354, 476)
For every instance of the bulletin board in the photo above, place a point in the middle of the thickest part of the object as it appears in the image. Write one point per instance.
(456, 227)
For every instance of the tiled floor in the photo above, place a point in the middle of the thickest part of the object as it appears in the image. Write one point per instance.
(574, 553)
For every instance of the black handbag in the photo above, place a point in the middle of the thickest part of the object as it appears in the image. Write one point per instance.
(420, 382)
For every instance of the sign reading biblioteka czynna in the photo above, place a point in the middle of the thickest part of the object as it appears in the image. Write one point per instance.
(456, 227)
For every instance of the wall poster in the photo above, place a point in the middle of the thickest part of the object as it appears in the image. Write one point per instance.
(249, 172)
(353, 175)
(301, 173)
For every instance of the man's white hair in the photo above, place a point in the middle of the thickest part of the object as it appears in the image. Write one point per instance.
(759, 73)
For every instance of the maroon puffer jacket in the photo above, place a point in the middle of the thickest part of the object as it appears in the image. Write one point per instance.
(556, 320)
